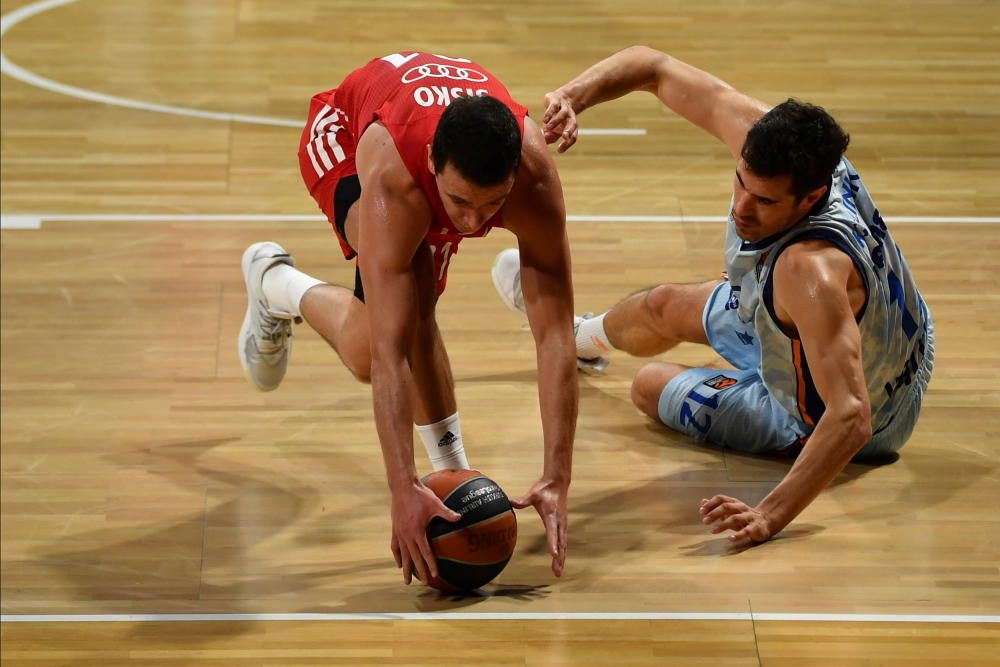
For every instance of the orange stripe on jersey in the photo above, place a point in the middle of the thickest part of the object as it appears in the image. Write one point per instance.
(800, 382)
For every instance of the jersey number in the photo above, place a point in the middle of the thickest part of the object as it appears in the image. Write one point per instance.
(445, 258)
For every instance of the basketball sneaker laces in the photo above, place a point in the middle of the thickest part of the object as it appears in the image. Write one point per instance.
(274, 328)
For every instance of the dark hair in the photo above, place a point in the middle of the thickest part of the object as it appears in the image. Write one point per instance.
(479, 136)
(797, 139)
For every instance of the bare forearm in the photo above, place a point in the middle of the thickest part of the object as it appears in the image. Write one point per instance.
(558, 393)
(434, 387)
(632, 69)
(391, 392)
(836, 439)
(699, 97)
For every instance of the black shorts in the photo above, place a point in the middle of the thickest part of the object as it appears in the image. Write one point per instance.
(347, 192)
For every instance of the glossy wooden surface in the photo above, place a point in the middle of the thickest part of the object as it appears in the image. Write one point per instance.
(142, 474)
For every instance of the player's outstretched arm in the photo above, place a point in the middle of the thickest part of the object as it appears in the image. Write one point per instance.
(389, 237)
(536, 214)
(811, 289)
(698, 96)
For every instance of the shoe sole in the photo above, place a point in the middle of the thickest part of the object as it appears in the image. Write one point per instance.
(507, 301)
(241, 341)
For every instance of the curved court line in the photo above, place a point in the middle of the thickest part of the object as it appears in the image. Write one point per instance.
(503, 616)
(11, 19)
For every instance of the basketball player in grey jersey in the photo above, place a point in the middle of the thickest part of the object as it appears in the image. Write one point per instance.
(831, 341)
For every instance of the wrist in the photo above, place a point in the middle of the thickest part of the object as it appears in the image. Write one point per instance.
(771, 517)
(572, 93)
(558, 479)
(402, 482)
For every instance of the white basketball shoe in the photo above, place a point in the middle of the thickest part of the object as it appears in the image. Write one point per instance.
(265, 340)
(506, 274)
(507, 279)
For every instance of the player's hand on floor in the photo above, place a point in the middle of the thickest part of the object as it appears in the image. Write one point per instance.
(413, 507)
(725, 513)
(559, 121)
(549, 499)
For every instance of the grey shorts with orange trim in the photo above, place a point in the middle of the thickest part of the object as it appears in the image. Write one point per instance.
(730, 408)
(734, 409)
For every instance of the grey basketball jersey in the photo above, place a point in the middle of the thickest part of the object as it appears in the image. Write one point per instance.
(892, 321)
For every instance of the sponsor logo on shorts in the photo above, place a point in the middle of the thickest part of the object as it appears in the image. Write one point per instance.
(720, 382)
(745, 337)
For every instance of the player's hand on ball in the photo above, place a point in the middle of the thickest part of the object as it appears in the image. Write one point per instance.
(559, 121)
(549, 499)
(725, 513)
(413, 507)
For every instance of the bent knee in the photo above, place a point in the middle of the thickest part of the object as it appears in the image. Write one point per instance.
(676, 310)
(660, 301)
(648, 385)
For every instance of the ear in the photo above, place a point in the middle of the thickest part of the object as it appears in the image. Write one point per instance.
(430, 160)
(814, 197)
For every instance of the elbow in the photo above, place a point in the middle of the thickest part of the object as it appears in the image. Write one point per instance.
(861, 432)
(855, 418)
(557, 344)
(647, 53)
(654, 63)
(556, 347)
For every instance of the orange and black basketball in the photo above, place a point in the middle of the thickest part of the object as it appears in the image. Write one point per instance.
(472, 551)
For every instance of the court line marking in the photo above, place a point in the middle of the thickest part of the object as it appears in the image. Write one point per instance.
(502, 616)
(34, 221)
(12, 18)
(9, 20)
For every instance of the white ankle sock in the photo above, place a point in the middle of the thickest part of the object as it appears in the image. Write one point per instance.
(443, 442)
(591, 339)
(284, 287)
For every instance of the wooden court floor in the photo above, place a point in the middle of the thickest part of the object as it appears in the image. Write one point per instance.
(141, 475)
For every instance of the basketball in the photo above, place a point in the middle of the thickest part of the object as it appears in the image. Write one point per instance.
(472, 551)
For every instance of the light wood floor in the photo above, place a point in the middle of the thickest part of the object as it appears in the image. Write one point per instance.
(141, 474)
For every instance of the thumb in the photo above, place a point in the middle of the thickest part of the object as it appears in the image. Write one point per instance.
(449, 515)
(521, 503)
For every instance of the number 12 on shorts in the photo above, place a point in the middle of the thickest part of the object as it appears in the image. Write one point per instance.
(691, 403)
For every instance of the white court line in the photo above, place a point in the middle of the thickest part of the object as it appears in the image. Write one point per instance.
(10, 19)
(13, 70)
(34, 221)
(20, 222)
(501, 616)
(717, 218)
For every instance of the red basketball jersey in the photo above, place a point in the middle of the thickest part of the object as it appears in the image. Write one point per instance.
(407, 92)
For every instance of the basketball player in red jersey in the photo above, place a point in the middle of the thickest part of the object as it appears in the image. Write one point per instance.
(411, 154)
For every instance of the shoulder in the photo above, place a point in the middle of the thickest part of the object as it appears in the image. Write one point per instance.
(536, 161)
(811, 264)
(537, 191)
(381, 168)
(816, 273)
(813, 282)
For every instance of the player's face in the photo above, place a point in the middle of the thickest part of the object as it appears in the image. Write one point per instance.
(469, 205)
(763, 207)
